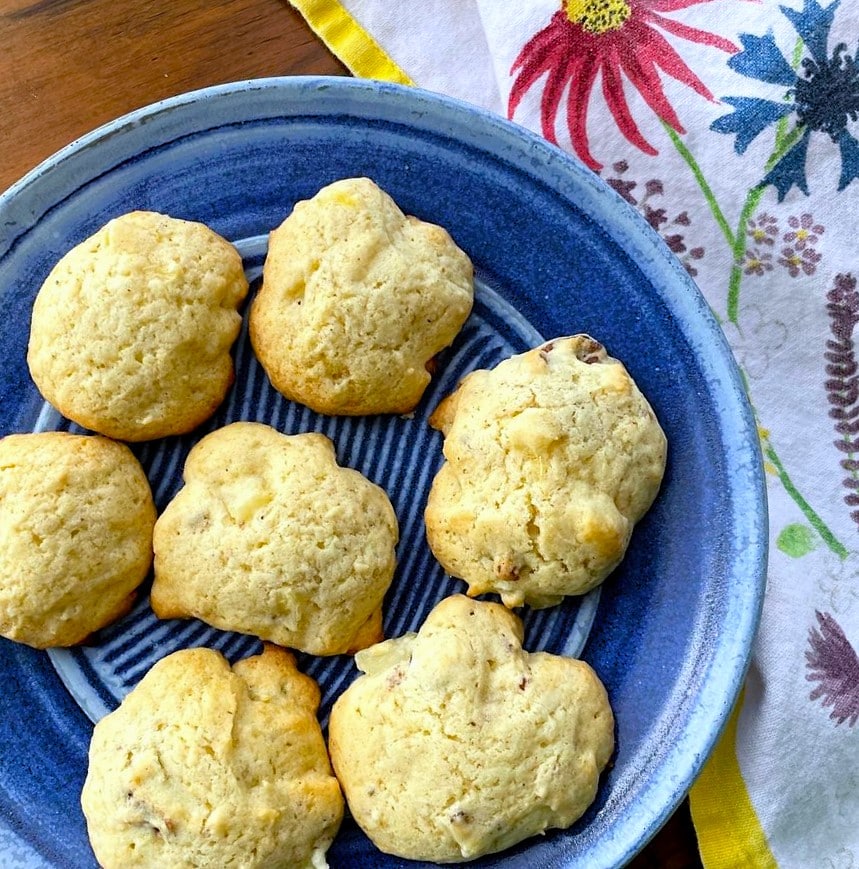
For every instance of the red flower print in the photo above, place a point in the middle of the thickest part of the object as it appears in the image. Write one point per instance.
(616, 38)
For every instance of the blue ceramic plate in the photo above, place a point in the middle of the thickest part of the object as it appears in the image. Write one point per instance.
(556, 252)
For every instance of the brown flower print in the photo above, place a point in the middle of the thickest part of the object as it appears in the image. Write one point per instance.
(656, 216)
(763, 229)
(796, 261)
(758, 262)
(804, 231)
(832, 662)
(842, 384)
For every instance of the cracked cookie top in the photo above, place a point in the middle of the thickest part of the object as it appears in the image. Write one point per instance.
(456, 742)
(271, 537)
(206, 765)
(551, 458)
(132, 329)
(357, 298)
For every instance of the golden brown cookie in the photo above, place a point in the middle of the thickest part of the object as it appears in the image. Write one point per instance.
(552, 457)
(76, 518)
(132, 329)
(271, 537)
(457, 743)
(357, 298)
(206, 766)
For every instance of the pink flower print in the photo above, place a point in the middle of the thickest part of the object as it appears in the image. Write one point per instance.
(758, 262)
(804, 231)
(623, 186)
(656, 217)
(763, 229)
(799, 260)
(653, 187)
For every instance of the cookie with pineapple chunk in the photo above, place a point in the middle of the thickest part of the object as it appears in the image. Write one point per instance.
(132, 329)
(456, 742)
(551, 458)
(271, 537)
(206, 765)
(76, 519)
(357, 299)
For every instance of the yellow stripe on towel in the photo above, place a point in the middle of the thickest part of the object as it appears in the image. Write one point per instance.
(348, 40)
(730, 835)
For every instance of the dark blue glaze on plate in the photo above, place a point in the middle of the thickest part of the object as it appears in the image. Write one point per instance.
(556, 252)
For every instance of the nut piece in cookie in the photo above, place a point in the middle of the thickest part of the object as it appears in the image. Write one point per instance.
(76, 519)
(457, 743)
(551, 458)
(202, 766)
(357, 299)
(269, 536)
(132, 329)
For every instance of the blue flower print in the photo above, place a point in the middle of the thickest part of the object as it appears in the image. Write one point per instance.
(823, 97)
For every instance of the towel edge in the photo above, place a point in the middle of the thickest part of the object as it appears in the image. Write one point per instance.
(349, 41)
(729, 832)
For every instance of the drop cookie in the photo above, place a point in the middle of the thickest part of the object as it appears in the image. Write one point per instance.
(457, 743)
(76, 519)
(132, 329)
(357, 298)
(207, 766)
(271, 537)
(551, 458)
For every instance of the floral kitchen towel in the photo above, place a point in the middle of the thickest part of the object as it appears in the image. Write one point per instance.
(733, 126)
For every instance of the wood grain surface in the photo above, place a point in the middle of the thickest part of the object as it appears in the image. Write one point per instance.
(68, 66)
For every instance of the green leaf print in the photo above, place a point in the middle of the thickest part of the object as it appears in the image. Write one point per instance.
(796, 540)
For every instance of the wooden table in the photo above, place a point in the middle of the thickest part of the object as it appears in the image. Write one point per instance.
(67, 66)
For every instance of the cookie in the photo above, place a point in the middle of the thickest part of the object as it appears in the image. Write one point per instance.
(457, 743)
(207, 766)
(551, 458)
(132, 329)
(357, 299)
(76, 519)
(269, 536)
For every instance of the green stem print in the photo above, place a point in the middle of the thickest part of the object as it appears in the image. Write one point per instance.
(784, 142)
(709, 196)
(736, 240)
(737, 250)
(808, 511)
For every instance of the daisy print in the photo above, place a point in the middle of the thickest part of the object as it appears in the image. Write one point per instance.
(613, 40)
